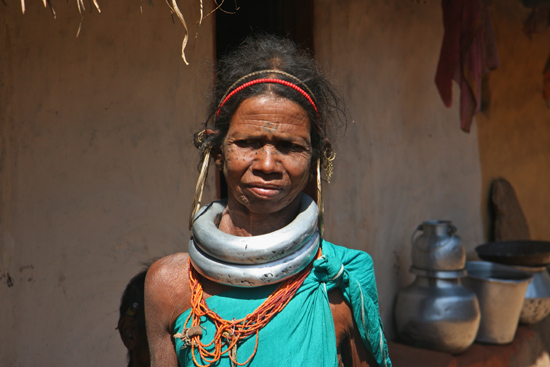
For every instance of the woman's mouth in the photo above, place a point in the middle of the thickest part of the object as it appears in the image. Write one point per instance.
(265, 191)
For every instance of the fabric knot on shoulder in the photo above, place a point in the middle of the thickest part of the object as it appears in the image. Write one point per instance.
(328, 269)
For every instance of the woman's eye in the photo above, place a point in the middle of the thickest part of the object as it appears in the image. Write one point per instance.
(290, 147)
(248, 143)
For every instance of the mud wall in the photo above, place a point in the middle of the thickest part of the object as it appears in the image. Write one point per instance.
(97, 168)
(514, 133)
(404, 159)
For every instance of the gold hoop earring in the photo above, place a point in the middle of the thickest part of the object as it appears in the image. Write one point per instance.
(320, 205)
(199, 188)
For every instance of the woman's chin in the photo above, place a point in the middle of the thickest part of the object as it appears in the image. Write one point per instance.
(270, 205)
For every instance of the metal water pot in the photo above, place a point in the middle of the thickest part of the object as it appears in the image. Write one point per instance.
(437, 312)
(438, 247)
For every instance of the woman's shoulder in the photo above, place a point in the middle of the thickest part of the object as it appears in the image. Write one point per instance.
(347, 255)
(167, 285)
(171, 260)
(167, 292)
(168, 271)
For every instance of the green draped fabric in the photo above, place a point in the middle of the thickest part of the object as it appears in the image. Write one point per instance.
(303, 333)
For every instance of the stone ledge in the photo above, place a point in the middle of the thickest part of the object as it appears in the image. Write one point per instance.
(526, 350)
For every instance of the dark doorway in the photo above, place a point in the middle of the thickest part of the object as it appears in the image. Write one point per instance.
(237, 19)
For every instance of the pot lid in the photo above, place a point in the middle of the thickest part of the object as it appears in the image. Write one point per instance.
(522, 252)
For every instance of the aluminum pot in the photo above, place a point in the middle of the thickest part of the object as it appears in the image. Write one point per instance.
(437, 312)
(438, 247)
(536, 305)
(500, 290)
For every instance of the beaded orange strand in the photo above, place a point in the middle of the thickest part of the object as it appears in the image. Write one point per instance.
(229, 333)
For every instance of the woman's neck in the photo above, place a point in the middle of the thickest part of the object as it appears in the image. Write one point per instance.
(238, 221)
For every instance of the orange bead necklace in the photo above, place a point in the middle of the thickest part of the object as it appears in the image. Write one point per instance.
(230, 333)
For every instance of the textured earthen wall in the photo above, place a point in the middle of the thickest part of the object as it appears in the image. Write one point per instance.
(405, 159)
(514, 134)
(97, 168)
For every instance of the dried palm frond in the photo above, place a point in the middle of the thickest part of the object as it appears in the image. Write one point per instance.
(81, 8)
(173, 5)
(97, 6)
(47, 3)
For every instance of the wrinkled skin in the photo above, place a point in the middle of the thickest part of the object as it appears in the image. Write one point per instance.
(266, 160)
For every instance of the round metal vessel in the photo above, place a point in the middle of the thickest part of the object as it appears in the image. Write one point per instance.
(437, 313)
(438, 247)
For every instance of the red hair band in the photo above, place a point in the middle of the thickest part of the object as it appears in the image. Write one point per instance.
(268, 80)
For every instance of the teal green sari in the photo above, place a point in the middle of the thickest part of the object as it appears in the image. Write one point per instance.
(302, 334)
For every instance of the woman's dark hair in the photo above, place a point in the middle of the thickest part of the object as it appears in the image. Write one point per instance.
(269, 52)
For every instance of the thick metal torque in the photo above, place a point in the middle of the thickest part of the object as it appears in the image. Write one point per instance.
(255, 249)
(257, 260)
(254, 275)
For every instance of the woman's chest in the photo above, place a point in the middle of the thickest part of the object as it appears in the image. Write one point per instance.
(309, 328)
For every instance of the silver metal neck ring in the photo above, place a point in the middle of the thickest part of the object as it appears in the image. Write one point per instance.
(256, 260)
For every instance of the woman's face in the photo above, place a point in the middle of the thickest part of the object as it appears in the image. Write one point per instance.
(266, 154)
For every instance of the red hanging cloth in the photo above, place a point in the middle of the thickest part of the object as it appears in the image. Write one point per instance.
(468, 52)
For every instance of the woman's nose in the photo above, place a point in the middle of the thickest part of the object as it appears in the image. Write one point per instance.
(266, 160)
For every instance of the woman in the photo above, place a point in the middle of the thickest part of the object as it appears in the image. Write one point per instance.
(276, 293)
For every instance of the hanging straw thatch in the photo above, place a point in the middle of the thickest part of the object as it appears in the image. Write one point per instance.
(172, 4)
(48, 4)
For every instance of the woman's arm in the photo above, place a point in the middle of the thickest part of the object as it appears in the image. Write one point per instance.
(351, 350)
(166, 297)
(354, 352)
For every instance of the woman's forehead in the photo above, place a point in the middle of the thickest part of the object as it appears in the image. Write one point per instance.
(270, 114)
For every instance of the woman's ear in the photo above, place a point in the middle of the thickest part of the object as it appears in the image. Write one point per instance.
(127, 327)
(218, 158)
(216, 152)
